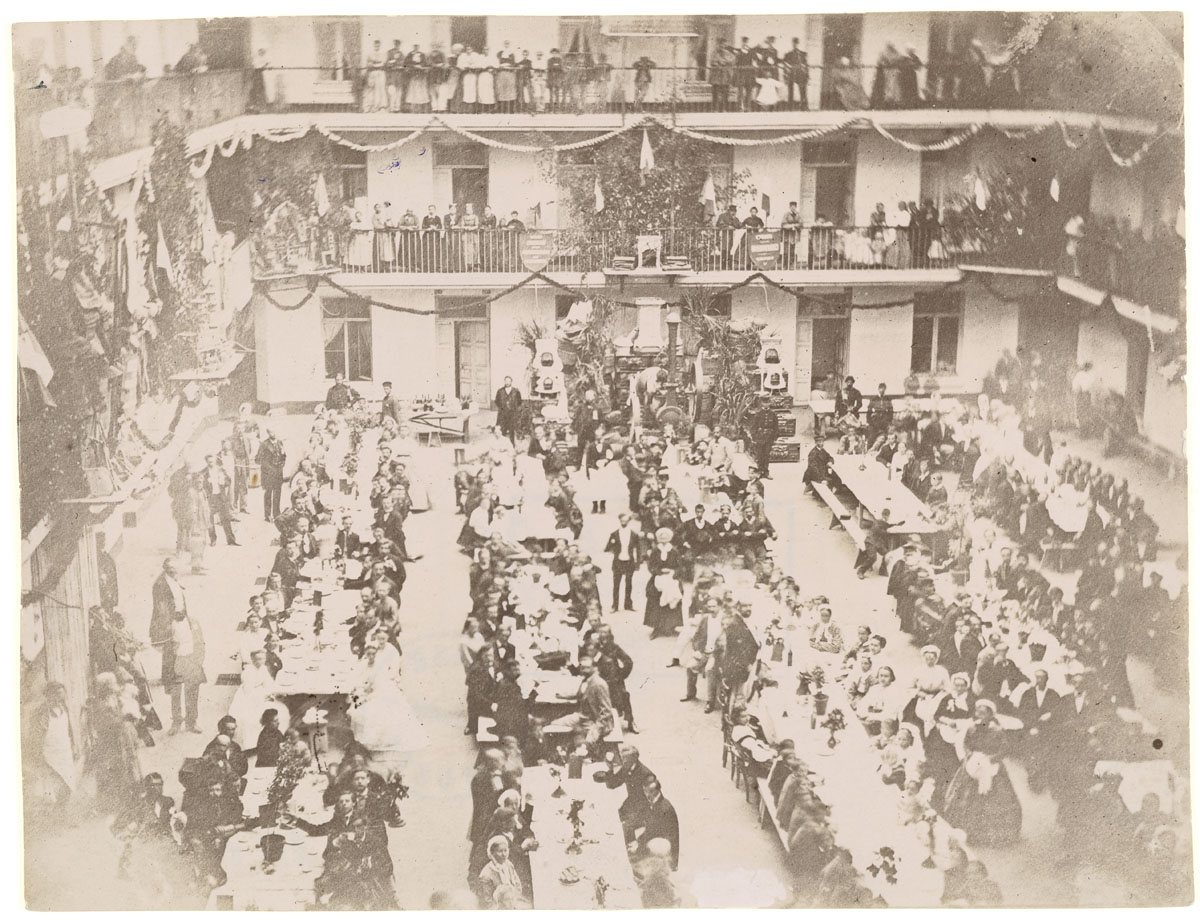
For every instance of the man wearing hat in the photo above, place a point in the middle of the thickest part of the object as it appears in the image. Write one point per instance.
(387, 406)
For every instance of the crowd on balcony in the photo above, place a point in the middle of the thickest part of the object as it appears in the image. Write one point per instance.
(1146, 266)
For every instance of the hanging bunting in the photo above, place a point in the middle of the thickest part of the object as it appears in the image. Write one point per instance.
(244, 138)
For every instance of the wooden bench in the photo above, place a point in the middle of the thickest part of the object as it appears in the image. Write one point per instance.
(841, 514)
(767, 809)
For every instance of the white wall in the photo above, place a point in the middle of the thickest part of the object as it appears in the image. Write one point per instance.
(509, 358)
(1165, 418)
(290, 42)
(773, 171)
(289, 350)
(160, 42)
(989, 326)
(884, 172)
(402, 344)
(411, 30)
(531, 33)
(1102, 342)
(516, 183)
(407, 185)
(880, 346)
(784, 26)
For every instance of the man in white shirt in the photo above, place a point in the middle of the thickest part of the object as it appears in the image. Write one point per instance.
(624, 545)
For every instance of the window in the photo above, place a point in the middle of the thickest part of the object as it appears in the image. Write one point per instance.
(339, 47)
(347, 327)
(351, 173)
(721, 305)
(456, 154)
(937, 321)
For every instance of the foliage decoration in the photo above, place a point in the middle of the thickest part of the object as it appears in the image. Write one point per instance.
(732, 346)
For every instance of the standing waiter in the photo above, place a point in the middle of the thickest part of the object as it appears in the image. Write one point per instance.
(508, 408)
(762, 428)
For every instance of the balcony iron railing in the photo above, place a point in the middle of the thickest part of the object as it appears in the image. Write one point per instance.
(704, 249)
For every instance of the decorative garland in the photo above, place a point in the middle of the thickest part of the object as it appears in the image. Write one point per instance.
(245, 136)
(312, 282)
(166, 439)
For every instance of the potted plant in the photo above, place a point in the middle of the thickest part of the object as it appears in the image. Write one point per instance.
(820, 698)
(575, 816)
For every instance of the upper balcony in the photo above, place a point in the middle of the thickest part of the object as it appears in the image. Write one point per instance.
(595, 97)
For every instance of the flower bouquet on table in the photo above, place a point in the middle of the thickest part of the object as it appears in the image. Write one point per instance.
(293, 764)
(575, 816)
(835, 722)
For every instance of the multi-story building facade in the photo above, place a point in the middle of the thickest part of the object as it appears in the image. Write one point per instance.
(929, 108)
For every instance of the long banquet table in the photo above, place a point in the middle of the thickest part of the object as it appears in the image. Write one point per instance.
(876, 491)
(603, 855)
(253, 884)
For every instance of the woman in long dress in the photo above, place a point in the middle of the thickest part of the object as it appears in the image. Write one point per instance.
(375, 98)
(114, 759)
(664, 597)
(257, 693)
(487, 80)
(951, 718)
(381, 719)
(980, 799)
(384, 251)
(468, 63)
(470, 237)
(358, 255)
(506, 80)
(57, 745)
(930, 682)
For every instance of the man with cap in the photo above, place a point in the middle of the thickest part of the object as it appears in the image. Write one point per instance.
(387, 406)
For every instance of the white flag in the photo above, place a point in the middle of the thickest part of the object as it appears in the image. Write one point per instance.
(980, 194)
(708, 197)
(322, 195)
(599, 196)
(162, 256)
(647, 159)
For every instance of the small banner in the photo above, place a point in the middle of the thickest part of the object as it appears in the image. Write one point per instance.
(537, 249)
(764, 249)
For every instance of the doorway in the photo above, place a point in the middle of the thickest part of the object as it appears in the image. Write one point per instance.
(829, 335)
(464, 348)
(469, 185)
(469, 31)
(842, 39)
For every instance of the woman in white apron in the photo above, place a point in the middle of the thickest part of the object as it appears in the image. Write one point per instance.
(256, 694)
(487, 80)
(468, 63)
(358, 254)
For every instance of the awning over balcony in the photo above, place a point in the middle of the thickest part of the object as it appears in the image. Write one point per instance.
(1138, 313)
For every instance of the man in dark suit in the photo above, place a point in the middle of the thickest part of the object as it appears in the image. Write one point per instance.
(879, 415)
(796, 73)
(347, 541)
(1038, 702)
(763, 429)
(704, 644)
(288, 569)
(586, 422)
(182, 643)
(960, 654)
(340, 396)
(508, 407)
(625, 548)
(740, 649)
(271, 459)
(654, 820)
(629, 771)
(229, 749)
(388, 408)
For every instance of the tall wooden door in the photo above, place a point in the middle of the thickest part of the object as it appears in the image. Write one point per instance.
(828, 348)
(473, 360)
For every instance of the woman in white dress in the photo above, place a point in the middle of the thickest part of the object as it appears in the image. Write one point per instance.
(487, 79)
(930, 682)
(358, 255)
(256, 694)
(469, 65)
(381, 719)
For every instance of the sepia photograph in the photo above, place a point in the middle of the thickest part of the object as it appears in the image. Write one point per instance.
(585, 462)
